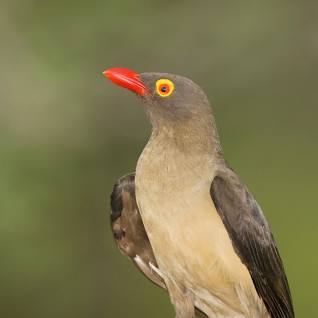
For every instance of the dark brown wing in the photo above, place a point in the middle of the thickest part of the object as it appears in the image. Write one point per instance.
(129, 232)
(253, 242)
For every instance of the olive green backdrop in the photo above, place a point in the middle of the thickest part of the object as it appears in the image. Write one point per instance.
(67, 134)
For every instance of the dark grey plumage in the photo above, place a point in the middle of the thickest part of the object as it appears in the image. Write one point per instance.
(253, 242)
(128, 230)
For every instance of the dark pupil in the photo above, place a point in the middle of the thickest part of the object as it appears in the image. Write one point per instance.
(164, 89)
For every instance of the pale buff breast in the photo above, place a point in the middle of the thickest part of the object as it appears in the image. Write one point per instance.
(190, 242)
(192, 248)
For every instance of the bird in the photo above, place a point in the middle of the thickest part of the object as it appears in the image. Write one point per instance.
(186, 219)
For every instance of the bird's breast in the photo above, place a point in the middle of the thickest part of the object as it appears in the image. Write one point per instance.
(189, 240)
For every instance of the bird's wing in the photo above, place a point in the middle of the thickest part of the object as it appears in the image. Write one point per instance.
(253, 241)
(129, 232)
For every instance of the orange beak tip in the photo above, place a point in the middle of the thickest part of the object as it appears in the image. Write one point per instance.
(106, 73)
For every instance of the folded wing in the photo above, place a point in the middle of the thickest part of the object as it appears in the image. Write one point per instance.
(253, 242)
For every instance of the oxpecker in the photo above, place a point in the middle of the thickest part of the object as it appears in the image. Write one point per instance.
(186, 219)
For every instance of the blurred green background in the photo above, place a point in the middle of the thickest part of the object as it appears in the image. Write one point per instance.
(66, 135)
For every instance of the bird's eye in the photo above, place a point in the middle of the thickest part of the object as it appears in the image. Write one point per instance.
(164, 87)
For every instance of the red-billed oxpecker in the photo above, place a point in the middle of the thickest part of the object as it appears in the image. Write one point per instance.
(186, 219)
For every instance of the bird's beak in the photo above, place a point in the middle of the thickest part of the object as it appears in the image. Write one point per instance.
(127, 79)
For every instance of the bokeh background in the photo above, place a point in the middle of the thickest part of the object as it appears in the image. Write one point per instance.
(66, 135)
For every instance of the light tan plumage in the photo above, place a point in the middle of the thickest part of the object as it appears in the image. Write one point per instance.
(178, 213)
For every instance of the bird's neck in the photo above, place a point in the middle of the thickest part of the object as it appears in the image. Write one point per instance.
(186, 139)
(179, 155)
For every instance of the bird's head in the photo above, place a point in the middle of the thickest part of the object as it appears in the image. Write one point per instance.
(169, 99)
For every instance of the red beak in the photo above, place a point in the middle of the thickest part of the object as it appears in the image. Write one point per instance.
(127, 79)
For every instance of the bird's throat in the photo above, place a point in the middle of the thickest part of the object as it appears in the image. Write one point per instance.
(175, 162)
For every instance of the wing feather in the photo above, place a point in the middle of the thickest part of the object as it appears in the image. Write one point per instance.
(128, 230)
(253, 242)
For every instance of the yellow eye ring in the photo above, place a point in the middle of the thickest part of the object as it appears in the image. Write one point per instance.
(164, 87)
